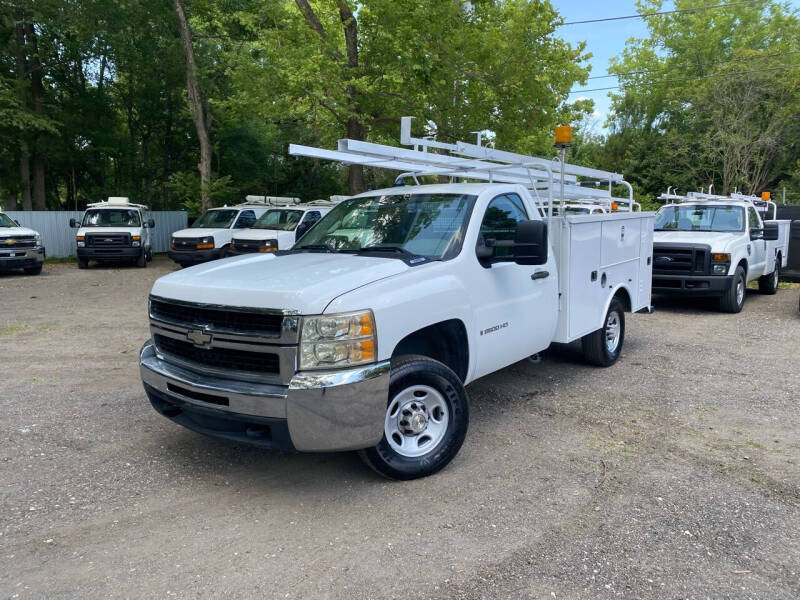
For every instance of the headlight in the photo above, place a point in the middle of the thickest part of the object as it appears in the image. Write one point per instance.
(268, 246)
(721, 262)
(336, 341)
(136, 240)
(206, 243)
(80, 240)
(37, 240)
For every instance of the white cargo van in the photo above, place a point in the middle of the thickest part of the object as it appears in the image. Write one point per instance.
(209, 237)
(364, 334)
(279, 228)
(114, 230)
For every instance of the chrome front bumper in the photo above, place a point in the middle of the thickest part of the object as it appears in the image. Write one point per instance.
(322, 411)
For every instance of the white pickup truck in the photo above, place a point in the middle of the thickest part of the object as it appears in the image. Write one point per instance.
(363, 336)
(707, 245)
(20, 247)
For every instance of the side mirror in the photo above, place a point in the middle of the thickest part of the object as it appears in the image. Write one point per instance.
(756, 234)
(530, 243)
(151, 223)
(17, 222)
(73, 223)
(771, 233)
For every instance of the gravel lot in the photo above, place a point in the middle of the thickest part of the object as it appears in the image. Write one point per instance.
(674, 474)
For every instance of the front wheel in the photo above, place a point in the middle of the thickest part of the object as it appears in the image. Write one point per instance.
(83, 263)
(426, 420)
(142, 260)
(603, 347)
(732, 301)
(33, 270)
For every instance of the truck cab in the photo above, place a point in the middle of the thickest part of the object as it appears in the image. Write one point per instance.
(363, 335)
(714, 246)
(114, 230)
(20, 247)
(209, 237)
(279, 228)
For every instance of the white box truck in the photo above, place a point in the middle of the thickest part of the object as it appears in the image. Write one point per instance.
(364, 335)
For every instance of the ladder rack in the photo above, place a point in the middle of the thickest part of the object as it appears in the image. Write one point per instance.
(763, 206)
(548, 179)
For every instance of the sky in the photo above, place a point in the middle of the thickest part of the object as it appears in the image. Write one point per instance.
(603, 41)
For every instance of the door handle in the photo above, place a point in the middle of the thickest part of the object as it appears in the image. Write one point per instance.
(540, 275)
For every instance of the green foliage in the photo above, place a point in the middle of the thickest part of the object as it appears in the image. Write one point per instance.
(709, 97)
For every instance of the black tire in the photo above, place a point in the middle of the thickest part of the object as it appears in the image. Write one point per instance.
(732, 301)
(768, 284)
(149, 256)
(597, 349)
(33, 270)
(83, 263)
(419, 371)
(142, 260)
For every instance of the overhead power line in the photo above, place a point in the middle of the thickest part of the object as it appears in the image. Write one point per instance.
(711, 76)
(663, 12)
(709, 64)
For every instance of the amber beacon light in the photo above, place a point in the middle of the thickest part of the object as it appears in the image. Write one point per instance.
(563, 136)
(765, 196)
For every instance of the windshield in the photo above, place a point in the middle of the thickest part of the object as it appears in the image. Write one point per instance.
(284, 220)
(5, 221)
(694, 217)
(215, 219)
(111, 217)
(430, 225)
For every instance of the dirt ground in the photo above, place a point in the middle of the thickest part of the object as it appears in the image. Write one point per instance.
(673, 474)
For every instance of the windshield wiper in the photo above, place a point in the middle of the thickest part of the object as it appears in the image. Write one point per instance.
(323, 247)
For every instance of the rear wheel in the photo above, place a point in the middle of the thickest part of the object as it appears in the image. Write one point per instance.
(426, 420)
(732, 301)
(603, 347)
(768, 284)
(33, 270)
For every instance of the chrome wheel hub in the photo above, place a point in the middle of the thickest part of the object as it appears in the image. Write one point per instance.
(613, 331)
(416, 421)
(739, 291)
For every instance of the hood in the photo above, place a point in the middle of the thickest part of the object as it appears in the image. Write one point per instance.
(717, 240)
(304, 282)
(7, 232)
(261, 234)
(102, 230)
(198, 232)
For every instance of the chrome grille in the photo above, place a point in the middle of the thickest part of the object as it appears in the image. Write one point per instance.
(22, 241)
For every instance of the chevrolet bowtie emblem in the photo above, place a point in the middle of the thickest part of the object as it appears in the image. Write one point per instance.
(199, 337)
(10, 241)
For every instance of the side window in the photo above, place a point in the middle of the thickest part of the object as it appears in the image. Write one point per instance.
(312, 216)
(500, 220)
(755, 222)
(246, 219)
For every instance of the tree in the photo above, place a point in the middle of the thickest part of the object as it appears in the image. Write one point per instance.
(198, 105)
(709, 97)
(464, 66)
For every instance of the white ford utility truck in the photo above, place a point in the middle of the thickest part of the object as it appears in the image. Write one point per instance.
(279, 228)
(209, 237)
(20, 247)
(113, 230)
(711, 245)
(364, 334)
